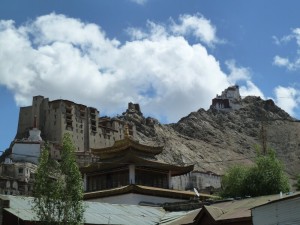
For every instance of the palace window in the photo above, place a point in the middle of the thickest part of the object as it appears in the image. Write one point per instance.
(20, 170)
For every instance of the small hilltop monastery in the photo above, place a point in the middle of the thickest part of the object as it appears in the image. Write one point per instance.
(230, 99)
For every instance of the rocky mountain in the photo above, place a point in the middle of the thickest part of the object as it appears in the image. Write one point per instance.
(214, 139)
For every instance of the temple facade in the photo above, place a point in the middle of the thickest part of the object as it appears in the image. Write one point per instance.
(129, 162)
(131, 168)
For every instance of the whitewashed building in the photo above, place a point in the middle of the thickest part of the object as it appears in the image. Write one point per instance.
(28, 149)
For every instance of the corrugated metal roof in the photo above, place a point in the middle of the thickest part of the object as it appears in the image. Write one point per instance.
(285, 197)
(20, 206)
(281, 211)
(103, 213)
(215, 212)
(98, 213)
(24, 214)
(238, 209)
(182, 217)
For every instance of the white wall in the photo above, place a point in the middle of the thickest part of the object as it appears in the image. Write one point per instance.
(204, 180)
(29, 152)
(197, 180)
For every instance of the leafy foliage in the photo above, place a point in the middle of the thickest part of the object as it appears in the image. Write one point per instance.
(58, 188)
(233, 181)
(298, 183)
(264, 178)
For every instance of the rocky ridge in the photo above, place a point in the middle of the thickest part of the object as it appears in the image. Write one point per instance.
(213, 140)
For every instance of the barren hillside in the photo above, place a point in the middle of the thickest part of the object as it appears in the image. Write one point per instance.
(213, 140)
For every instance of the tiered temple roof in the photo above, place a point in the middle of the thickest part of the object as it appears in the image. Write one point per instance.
(129, 151)
(125, 146)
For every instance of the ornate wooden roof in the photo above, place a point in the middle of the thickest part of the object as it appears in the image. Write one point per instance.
(125, 145)
(138, 161)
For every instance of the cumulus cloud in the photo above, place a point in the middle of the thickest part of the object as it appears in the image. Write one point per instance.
(237, 73)
(287, 98)
(250, 89)
(61, 57)
(282, 62)
(285, 62)
(242, 75)
(198, 26)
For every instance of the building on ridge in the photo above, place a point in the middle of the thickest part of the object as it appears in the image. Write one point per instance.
(230, 99)
(55, 118)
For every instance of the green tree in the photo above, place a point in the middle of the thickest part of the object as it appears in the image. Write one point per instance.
(47, 189)
(73, 184)
(264, 178)
(298, 183)
(58, 189)
(233, 181)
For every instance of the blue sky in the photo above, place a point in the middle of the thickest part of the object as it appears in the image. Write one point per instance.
(171, 56)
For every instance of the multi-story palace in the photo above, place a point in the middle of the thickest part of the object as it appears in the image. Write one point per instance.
(87, 128)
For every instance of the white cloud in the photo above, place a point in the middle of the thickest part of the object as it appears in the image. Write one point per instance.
(287, 98)
(198, 26)
(242, 75)
(296, 34)
(61, 57)
(237, 73)
(136, 34)
(188, 25)
(250, 89)
(153, 32)
(140, 2)
(276, 40)
(283, 40)
(284, 61)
